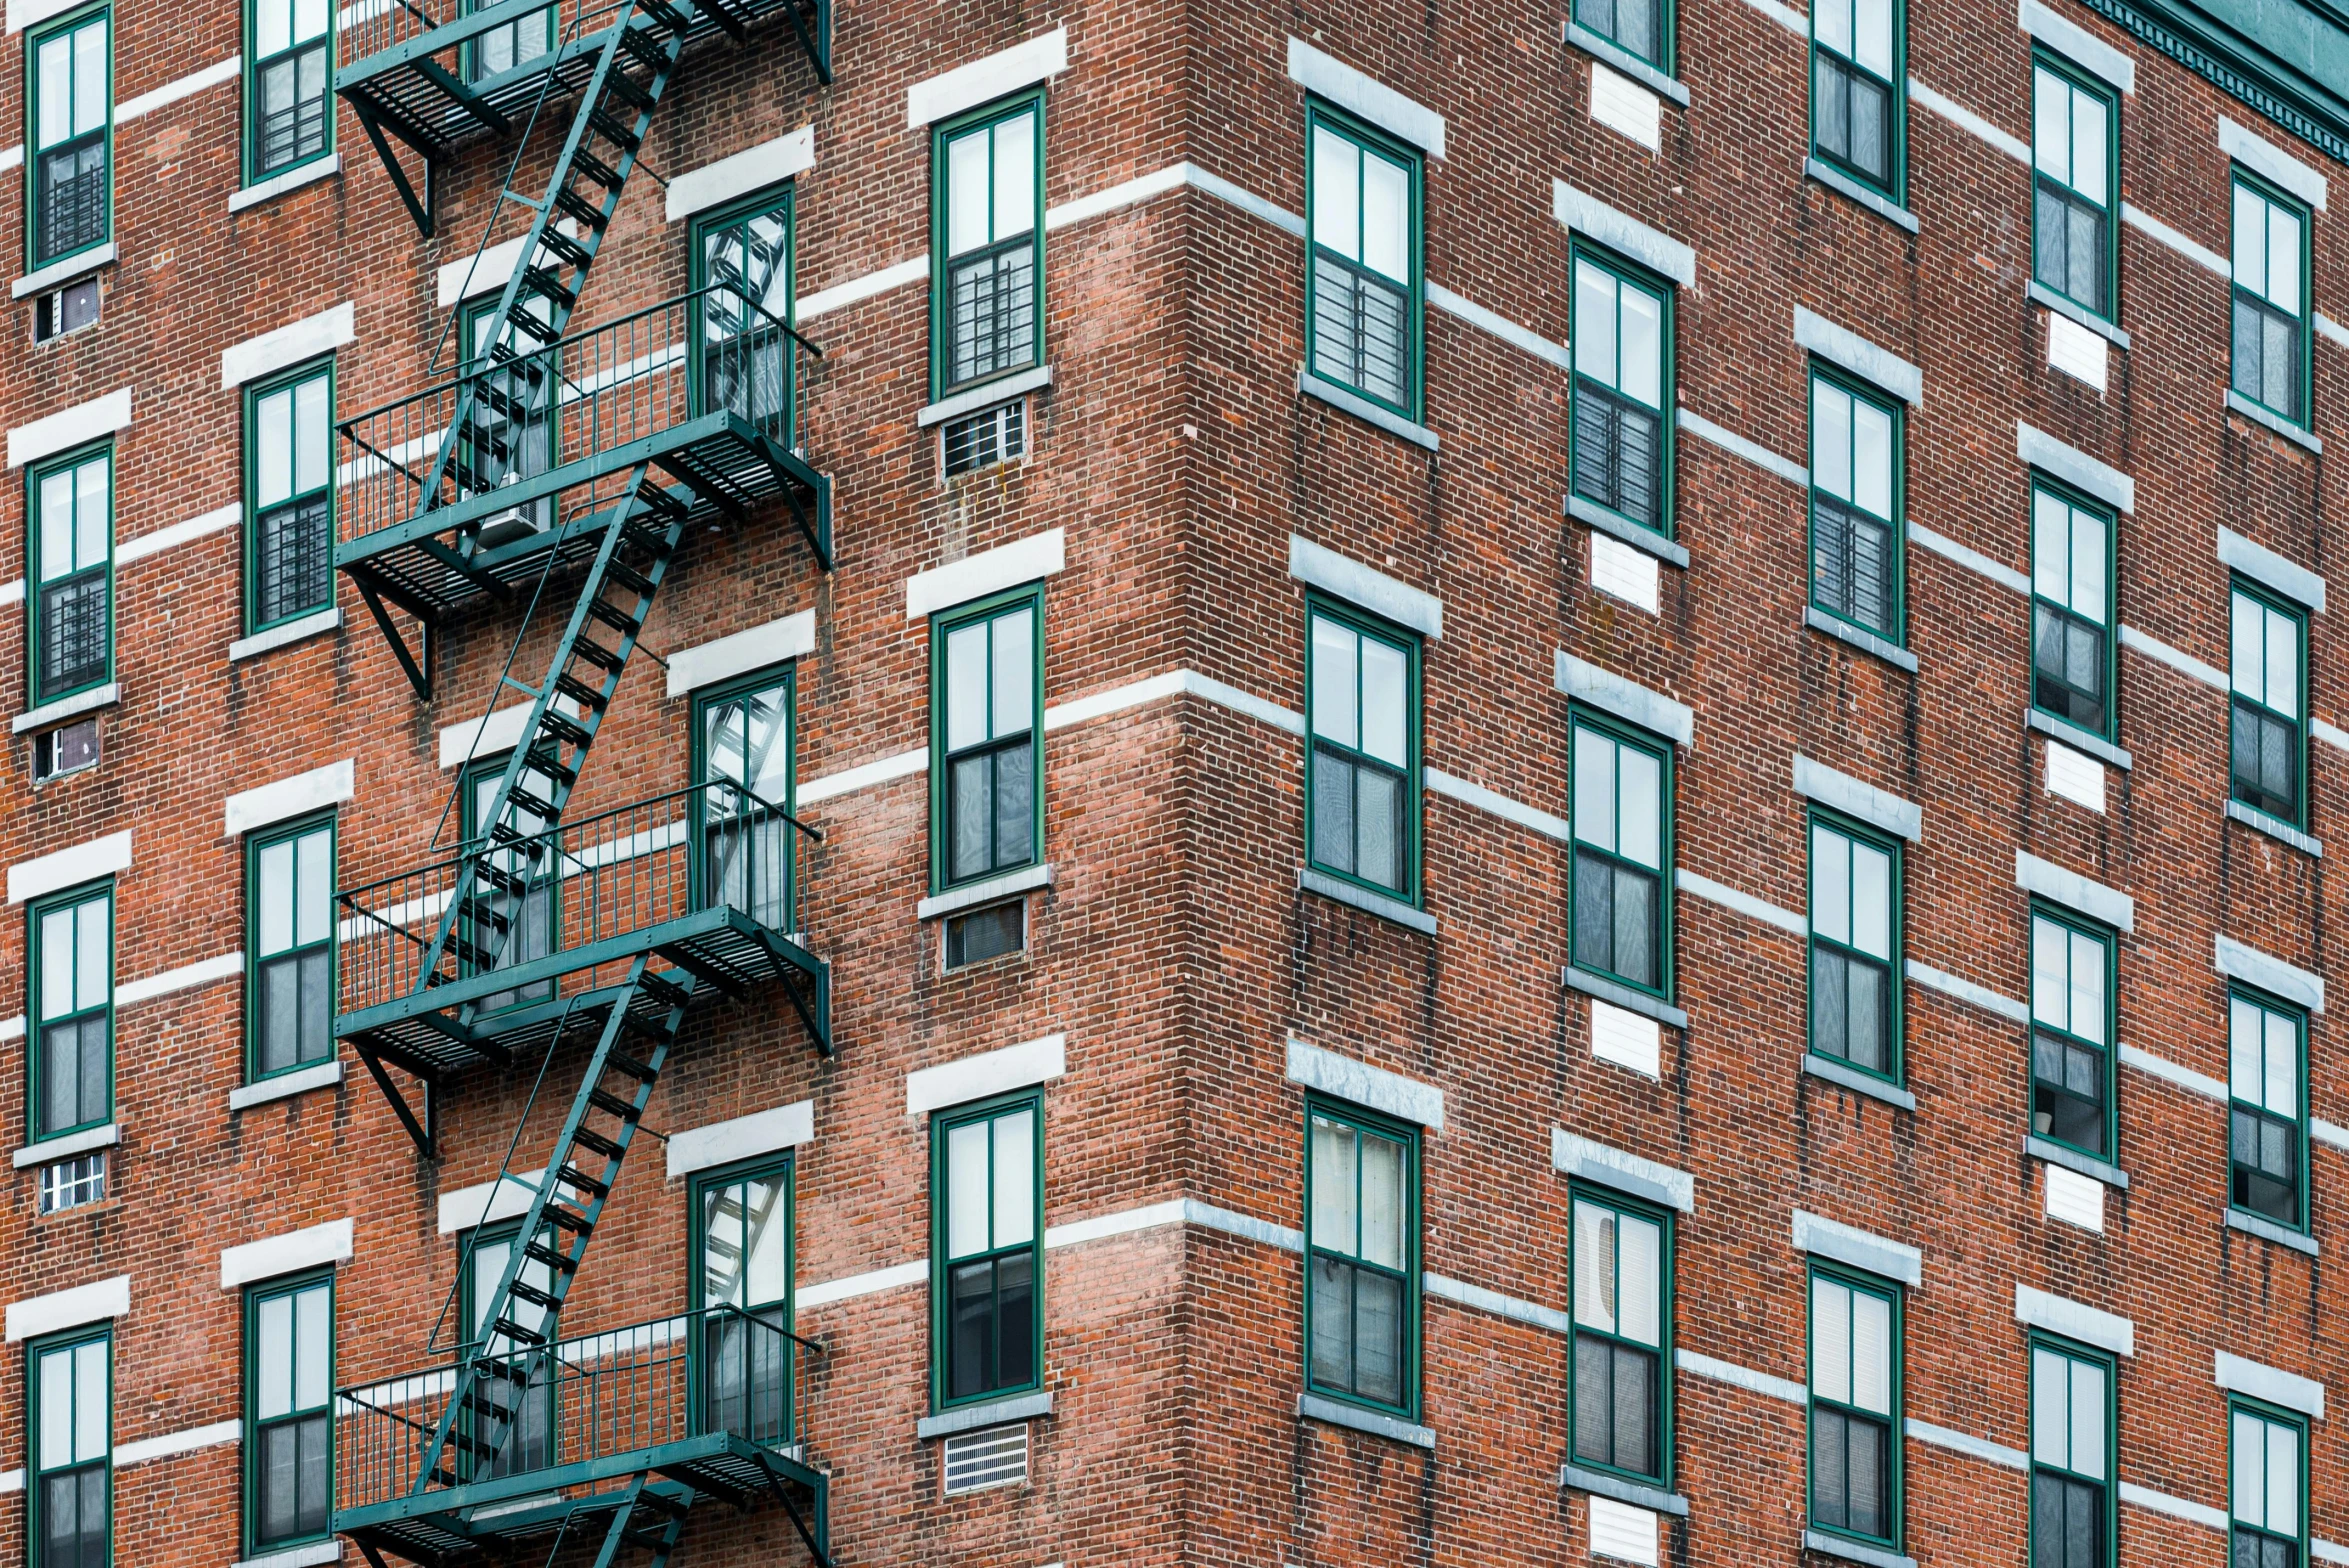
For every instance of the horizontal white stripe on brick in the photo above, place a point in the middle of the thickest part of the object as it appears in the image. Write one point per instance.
(309, 1248)
(1372, 590)
(177, 534)
(100, 857)
(64, 1309)
(988, 1073)
(1332, 79)
(69, 428)
(1359, 1083)
(187, 977)
(286, 799)
(976, 576)
(983, 81)
(288, 345)
(213, 75)
(792, 637)
(172, 1444)
(739, 174)
(742, 1138)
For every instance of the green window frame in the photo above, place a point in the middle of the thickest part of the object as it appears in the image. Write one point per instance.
(744, 254)
(1620, 451)
(2271, 267)
(745, 851)
(2074, 566)
(987, 244)
(2074, 1007)
(1858, 536)
(2267, 1109)
(69, 123)
(1362, 749)
(744, 1227)
(508, 46)
(70, 1082)
(2075, 1449)
(289, 1421)
(1642, 29)
(2267, 1486)
(289, 490)
(290, 977)
(69, 609)
(1855, 1405)
(69, 1438)
(289, 81)
(2076, 178)
(1859, 91)
(1362, 1307)
(987, 1237)
(2267, 731)
(540, 924)
(987, 738)
(529, 1439)
(1620, 1399)
(1365, 283)
(1621, 875)
(1856, 946)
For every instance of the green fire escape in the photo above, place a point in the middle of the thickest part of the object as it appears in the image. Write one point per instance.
(557, 472)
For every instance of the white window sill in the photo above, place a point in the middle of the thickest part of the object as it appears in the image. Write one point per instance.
(1591, 515)
(294, 179)
(1331, 1412)
(1617, 58)
(2237, 403)
(2261, 1225)
(315, 1555)
(285, 1086)
(2073, 1160)
(994, 890)
(65, 271)
(1854, 1551)
(989, 395)
(291, 632)
(998, 1412)
(64, 708)
(1858, 1082)
(1365, 410)
(1859, 637)
(1653, 1498)
(1339, 890)
(50, 1150)
(2274, 827)
(2079, 739)
(2079, 315)
(1629, 998)
(1877, 202)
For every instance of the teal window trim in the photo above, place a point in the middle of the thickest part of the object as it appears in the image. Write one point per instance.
(2052, 192)
(2066, 1037)
(1895, 1069)
(708, 1344)
(2250, 1113)
(1603, 413)
(2253, 382)
(2263, 716)
(1894, 1424)
(944, 1264)
(40, 585)
(708, 226)
(777, 908)
(942, 294)
(535, 453)
(254, 1461)
(2240, 1485)
(1581, 1193)
(39, 1473)
(1617, 22)
(2055, 586)
(1831, 64)
(1593, 857)
(257, 845)
(471, 776)
(1320, 116)
(1367, 1123)
(316, 500)
(1029, 600)
(497, 51)
(1838, 523)
(1365, 625)
(2067, 1474)
(35, 183)
(289, 58)
(38, 942)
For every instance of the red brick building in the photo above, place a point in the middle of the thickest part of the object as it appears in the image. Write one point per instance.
(1443, 787)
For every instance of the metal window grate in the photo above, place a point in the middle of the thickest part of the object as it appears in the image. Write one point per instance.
(1361, 327)
(997, 1456)
(994, 310)
(72, 207)
(71, 1183)
(999, 435)
(297, 560)
(73, 633)
(293, 109)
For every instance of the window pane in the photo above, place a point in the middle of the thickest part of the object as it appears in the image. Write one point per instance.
(1015, 672)
(273, 462)
(1642, 375)
(2250, 1467)
(1594, 1266)
(1871, 1352)
(2088, 149)
(2282, 1076)
(1015, 176)
(966, 1189)
(767, 1277)
(56, 964)
(2088, 1419)
(273, 1344)
(2250, 240)
(1871, 900)
(56, 1408)
(56, 524)
(2283, 1478)
(1383, 1201)
(56, 88)
(2050, 547)
(2051, 141)
(1834, 23)
(93, 964)
(2050, 1408)
(966, 686)
(2087, 995)
(2050, 982)
(309, 19)
(1333, 681)
(89, 77)
(1642, 1263)
(1831, 439)
(1015, 1179)
(1642, 819)
(2283, 662)
(276, 878)
(1872, 41)
(1386, 217)
(89, 512)
(1830, 1340)
(2244, 1037)
(2283, 259)
(1594, 788)
(311, 443)
(966, 193)
(2088, 552)
(1871, 459)
(1337, 196)
(90, 1399)
(1385, 697)
(2247, 642)
(1333, 1186)
(1594, 322)
(314, 882)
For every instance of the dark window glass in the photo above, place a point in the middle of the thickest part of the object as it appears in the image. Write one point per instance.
(988, 690)
(72, 101)
(1620, 1311)
(987, 1182)
(1854, 939)
(1364, 253)
(990, 219)
(2264, 1153)
(1364, 1210)
(1855, 1352)
(1361, 749)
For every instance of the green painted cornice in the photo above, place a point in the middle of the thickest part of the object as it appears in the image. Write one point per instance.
(2287, 59)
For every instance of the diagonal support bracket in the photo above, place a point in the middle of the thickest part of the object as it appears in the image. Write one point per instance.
(416, 666)
(425, 1133)
(419, 209)
(791, 1510)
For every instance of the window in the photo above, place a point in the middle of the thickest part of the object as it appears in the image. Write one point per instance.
(71, 1184)
(287, 118)
(2266, 1158)
(1856, 97)
(1855, 1406)
(73, 1000)
(987, 747)
(1639, 27)
(2071, 1033)
(1622, 373)
(2264, 744)
(511, 1430)
(742, 754)
(2076, 156)
(987, 1169)
(2071, 1458)
(2269, 1472)
(1855, 942)
(1622, 1337)
(516, 927)
(69, 748)
(500, 49)
(72, 1443)
(2071, 611)
(512, 433)
(2271, 303)
(1855, 499)
(73, 138)
(290, 888)
(1362, 1259)
(1622, 843)
(989, 284)
(742, 270)
(290, 554)
(743, 1234)
(67, 309)
(1362, 296)
(984, 440)
(73, 550)
(1362, 751)
(289, 1370)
